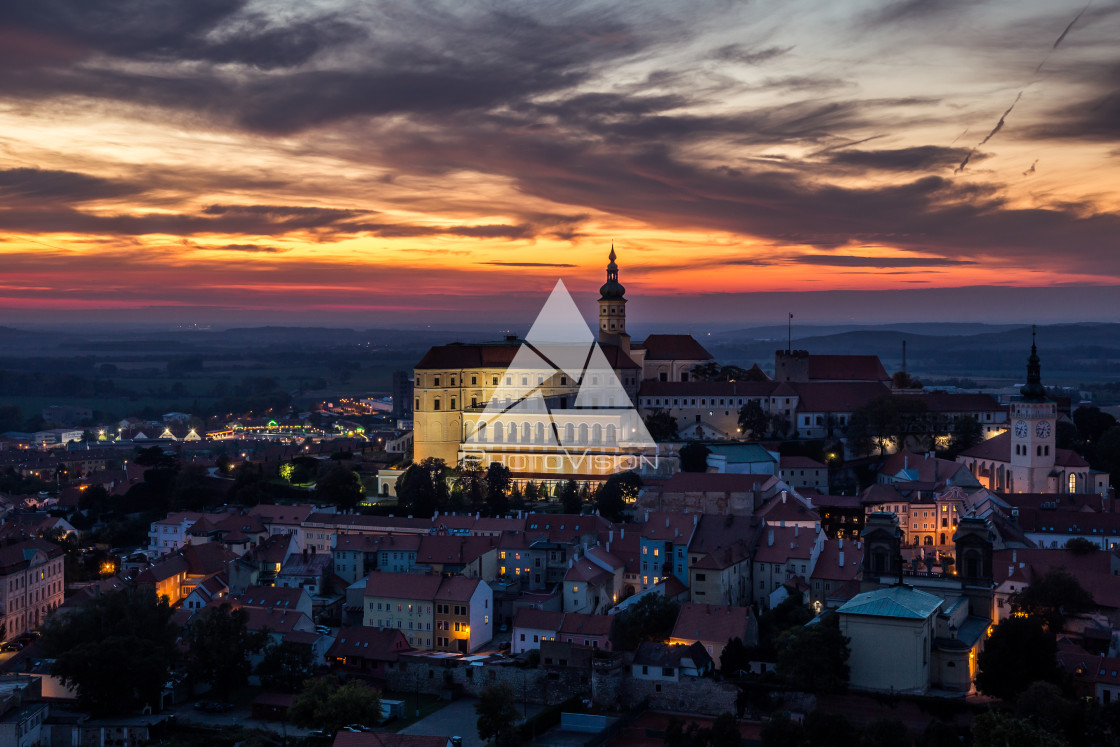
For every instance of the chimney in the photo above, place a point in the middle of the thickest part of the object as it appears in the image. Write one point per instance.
(622, 532)
(841, 558)
(906, 461)
(795, 528)
(610, 536)
(770, 539)
(783, 496)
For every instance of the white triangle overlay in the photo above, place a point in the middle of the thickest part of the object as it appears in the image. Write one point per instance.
(560, 343)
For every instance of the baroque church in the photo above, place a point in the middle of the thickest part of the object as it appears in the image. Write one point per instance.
(1026, 458)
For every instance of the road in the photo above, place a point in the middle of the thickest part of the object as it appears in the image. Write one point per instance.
(457, 719)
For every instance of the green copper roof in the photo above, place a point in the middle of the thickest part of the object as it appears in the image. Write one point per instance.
(895, 601)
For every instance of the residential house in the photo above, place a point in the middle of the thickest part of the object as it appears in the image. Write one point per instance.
(835, 577)
(664, 662)
(531, 626)
(719, 559)
(783, 555)
(803, 472)
(712, 626)
(664, 544)
(464, 609)
(368, 652)
(32, 584)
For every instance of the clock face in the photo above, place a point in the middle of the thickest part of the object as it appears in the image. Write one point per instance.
(1021, 429)
(1042, 429)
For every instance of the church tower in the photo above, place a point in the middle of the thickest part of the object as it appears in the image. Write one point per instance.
(612, 309)
(1033, 421)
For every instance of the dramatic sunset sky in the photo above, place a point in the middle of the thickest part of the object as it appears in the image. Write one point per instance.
(410, 162)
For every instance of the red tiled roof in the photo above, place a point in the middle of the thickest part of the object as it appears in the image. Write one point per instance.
(452, 549)
(535, 619)
(381, 644)
(828, 562)
(996, 449)
(270, 596)
(578, 623)
(754, 389)
(712, 482)
(402, 586)
(789, 542)
(800, 462)
(459, 355)
(711, 622)
(674, 348)
(1092, 570)
(948, 402)
(838, 396)
(457, 589)
(584, 570)
(847, 368)
(669, 527)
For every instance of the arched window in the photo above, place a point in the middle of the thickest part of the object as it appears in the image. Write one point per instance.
(526, 433)
(499, 433)
(539, 435)
(1073, 483)
(569, 434)
(597, 434)
(481, 433)
(583, 433)
(612, 434)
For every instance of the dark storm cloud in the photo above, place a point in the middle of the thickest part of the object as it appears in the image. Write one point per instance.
(69, 186)
(251, 248)
(218, 31)
(921, 158)
(885, 262)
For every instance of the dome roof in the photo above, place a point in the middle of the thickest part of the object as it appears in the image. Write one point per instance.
(612, 289)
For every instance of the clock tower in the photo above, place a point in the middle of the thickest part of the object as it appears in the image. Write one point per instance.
(1033, 421)
(612, 309)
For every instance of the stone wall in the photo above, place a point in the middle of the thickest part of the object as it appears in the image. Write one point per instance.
(618, 690)
(540, 686)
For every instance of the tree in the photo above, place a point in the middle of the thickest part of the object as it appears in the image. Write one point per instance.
(694, 457)
(1051, 598)
(1018, 653)
(651, 618)
(286, 666)
(1107, 454)
(967, 432)
(662, 426)
(782, 731)
(219, 646)
(94, 500)
(1080, 546)
(1091, 423)
(569, 498)
(498, 480)
(725, 732)
(341, 487)
(617, 493)
(995, 729)
(734, 658)
(829, 730)
(531, 492)
(753, 420)
(422, 489)
(903, 380)
(471, 483)
(814, 658)
(885, 733)
(498, 716)
(328, 704)
(116, 650)
(190, 490)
